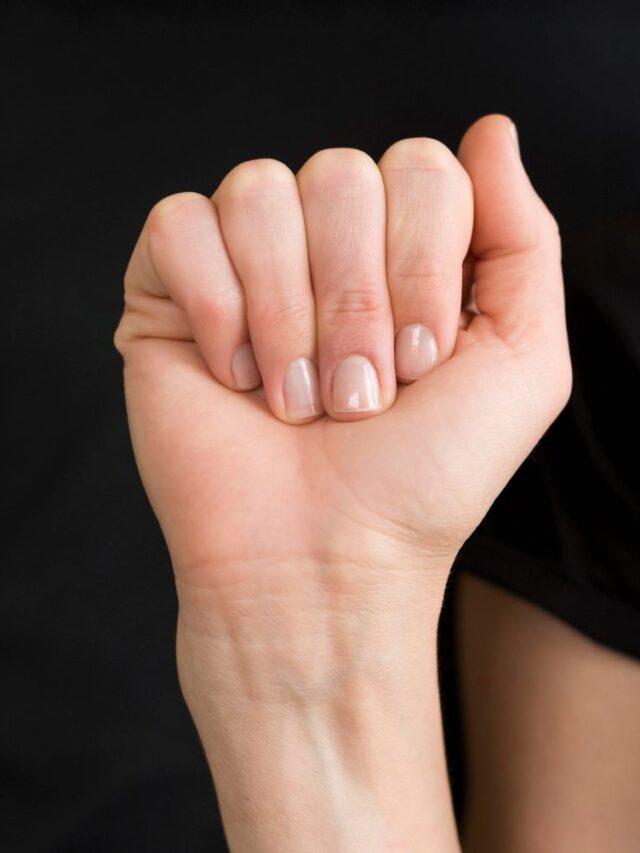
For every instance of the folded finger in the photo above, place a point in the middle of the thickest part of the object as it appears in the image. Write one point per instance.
(429, 220)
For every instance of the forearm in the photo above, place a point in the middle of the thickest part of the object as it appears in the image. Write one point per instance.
(322, 725)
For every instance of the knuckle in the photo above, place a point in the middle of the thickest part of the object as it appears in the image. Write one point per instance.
(419, 270)
(176, 212)
(121, 338)
(420, 151)
(217, 306)
(423, 154)
(262, 176)
(294, 309)
(337, 167)
(117, 339)
(354, 304)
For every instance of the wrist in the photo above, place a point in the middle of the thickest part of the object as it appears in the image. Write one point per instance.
(316, 700)
(354, 763)
(292, 631)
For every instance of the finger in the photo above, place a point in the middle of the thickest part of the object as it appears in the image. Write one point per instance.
(518, 286)
(180, 254)
(344, 208)
(515, 238)
(429, 220)
(263, 227)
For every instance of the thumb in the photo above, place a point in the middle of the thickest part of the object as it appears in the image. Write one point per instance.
(515, 242)
(517, 252)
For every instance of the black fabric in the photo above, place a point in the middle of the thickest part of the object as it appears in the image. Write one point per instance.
(565, 533)
(108, 107)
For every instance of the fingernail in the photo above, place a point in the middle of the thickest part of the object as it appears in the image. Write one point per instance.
(302, 389)
(416, 351)
(355, 386)
(514, 133)
(244, 368)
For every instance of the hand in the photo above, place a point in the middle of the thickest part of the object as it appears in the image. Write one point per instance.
(235, 487)
(312, 525)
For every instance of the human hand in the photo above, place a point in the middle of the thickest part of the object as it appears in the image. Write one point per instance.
(235, 487)
(310, 549)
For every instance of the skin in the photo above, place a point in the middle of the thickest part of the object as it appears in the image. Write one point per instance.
(311, 554)
(551, 724)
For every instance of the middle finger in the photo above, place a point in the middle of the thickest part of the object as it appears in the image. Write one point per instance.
(343, 200)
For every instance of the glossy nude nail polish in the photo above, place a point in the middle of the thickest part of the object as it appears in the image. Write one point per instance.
(244, 368)
(416, 352)
(302, 389)
(355, 386)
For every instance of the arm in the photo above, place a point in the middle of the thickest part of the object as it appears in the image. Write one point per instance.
(312, 526)
(322, 728)
(551, 725)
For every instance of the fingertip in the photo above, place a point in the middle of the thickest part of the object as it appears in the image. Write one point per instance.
(301, 392)
(517, 274)
(244, 368)
(494, 127)
(359, 389)
(507, 208)
(416, 352)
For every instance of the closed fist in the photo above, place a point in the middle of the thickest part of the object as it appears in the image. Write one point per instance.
(343, 291)
(305, 282)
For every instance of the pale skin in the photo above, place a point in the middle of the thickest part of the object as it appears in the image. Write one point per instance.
(311, 541)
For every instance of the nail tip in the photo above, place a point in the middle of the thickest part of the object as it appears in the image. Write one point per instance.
(357, 411)
(244, 368)
(299, 415)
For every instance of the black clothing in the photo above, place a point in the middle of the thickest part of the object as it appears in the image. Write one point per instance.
(108, 107)
(565, 533)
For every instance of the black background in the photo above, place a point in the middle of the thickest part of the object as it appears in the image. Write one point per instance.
(108, 107)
